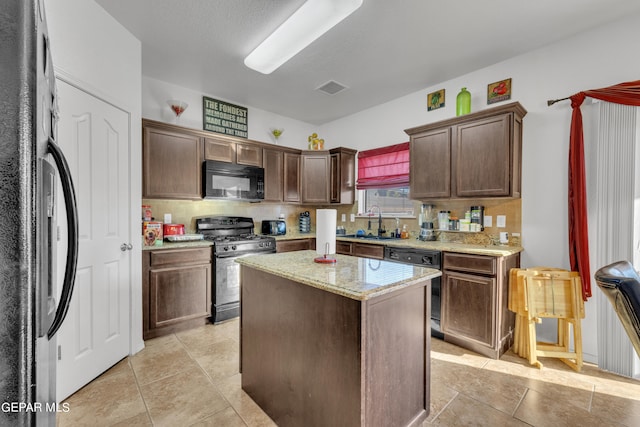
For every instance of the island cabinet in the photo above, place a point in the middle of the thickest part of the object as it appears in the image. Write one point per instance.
(475, 312)
(176, 289)
(292, 178)
(227, 150)
(472, 156)
(339, 345)
(316, 169)
(343, 175)
(171, 162)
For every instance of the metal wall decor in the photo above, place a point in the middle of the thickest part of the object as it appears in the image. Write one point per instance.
(499, 91)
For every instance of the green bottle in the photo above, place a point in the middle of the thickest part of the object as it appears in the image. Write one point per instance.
(463, 102)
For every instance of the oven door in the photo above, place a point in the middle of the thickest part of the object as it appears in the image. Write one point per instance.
(225, 294)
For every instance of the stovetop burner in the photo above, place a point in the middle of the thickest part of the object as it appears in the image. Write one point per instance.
(233, 236)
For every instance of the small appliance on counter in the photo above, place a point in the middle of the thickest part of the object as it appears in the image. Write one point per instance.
(427, 233)
(305, 222)
(277, 227)
(477, 216)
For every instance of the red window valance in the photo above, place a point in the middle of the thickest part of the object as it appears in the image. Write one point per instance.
(383, 167)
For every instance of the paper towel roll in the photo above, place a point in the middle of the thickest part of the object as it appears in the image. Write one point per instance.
(326, 231)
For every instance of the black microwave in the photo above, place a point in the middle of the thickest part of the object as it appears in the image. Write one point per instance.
(222, 180)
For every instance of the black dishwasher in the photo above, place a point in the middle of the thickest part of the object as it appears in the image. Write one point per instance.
(425, 258)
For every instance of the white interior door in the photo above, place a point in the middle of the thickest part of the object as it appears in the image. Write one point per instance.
(95, 138)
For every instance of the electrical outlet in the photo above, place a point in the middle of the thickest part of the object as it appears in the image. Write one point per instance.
(352, 218)
(488, 221)
(344, 217)
(501, 221)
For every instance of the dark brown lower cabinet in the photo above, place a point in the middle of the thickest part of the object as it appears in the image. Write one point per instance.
(475, 312)
(176, 290)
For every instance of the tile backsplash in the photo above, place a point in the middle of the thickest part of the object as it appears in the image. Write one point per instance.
(186, 212)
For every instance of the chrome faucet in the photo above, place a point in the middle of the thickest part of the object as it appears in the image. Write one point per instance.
(380, 229)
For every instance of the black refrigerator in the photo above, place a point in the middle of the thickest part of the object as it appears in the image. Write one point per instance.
(31, 166)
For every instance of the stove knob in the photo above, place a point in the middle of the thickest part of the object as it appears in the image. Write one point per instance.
(260, 244)
(226, 248)
(233, 247)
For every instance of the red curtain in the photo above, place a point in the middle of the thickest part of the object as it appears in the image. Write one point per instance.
(383, 167)
(624, 93)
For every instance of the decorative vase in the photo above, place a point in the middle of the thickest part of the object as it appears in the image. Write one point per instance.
(463, 102)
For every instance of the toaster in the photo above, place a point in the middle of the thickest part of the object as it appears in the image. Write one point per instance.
(274, 227)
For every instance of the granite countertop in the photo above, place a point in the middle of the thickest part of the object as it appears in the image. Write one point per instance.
(493, 250)
(352, 277)
(179, 245)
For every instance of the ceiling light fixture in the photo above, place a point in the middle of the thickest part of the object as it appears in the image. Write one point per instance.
(309, 22)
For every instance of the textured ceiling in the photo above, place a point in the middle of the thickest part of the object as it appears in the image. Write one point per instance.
(384, 50)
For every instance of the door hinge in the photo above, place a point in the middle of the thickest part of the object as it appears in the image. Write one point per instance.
(59, 352)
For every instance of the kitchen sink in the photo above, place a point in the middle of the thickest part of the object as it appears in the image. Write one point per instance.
(367, 237)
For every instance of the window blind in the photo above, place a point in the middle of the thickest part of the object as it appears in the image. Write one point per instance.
(383, 167)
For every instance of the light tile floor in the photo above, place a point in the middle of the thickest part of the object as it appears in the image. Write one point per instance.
(191, 379)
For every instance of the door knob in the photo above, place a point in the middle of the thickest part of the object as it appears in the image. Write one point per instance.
(126, 247)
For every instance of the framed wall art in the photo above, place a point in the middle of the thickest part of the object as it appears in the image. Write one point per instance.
(435, 100)
(499, 91)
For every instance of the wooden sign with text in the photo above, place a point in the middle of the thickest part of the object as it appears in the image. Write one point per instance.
(225, 118)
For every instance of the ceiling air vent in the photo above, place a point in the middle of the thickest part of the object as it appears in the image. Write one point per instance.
(331, 87)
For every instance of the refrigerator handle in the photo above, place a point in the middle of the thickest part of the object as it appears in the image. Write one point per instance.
(72, 234)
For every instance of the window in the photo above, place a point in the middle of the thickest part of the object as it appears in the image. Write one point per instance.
(383, 180)
(391, 201)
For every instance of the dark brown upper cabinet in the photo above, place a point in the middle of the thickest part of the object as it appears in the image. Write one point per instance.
(478, 155)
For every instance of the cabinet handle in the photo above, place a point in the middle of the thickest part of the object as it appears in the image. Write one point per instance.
(126, 247)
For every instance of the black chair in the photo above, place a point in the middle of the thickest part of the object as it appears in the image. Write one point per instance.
(621, 284)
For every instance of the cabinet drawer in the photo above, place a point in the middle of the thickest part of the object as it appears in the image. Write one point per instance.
(293, 245)
(344, 248)
(180, 256)
(482, 264)
(368, 251)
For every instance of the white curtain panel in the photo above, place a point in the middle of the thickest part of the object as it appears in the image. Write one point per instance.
(611, 194)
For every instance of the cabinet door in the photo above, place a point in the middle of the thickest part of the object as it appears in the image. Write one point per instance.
(430, 164)
(273, 175)
(315, 177)
(178, 294)
(172, 165)
(468, 307)
(291, 177)
(482, 158)
(220, 150)
(247, 154)
(343, 178)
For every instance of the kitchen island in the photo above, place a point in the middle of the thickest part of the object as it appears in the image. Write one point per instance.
(346, 344)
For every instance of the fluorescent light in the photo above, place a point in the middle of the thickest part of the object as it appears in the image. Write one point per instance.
(313, 19)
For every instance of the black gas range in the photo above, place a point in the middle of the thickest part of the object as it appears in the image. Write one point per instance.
(232, 237)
